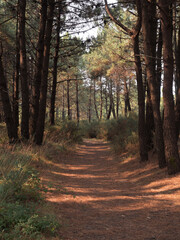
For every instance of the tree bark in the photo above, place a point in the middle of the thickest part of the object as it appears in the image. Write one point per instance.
(171, 148)
(38, 70)
(95, 104)
(10, 125)
(16, 80)
(89, 108)
(77, 101)
(149, 50)
(101, 96)
(178, 86)
(56, 57)
(44, 76)
(149, 121)
(23, 71)
(68, 101)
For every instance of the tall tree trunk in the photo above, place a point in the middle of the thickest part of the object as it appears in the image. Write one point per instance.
(95, 104)
(101, 96)
(117, 99)
(149, 121)
(127, 106)
(149, 9)
(44, 77)
(16, 81)
(23, 70)
(11, 128)
(77, 101)
(38, 69)
(178, 85)
(90, 100)
(159, 63)
(171, 149)
(56, 56)
(68, 101)
(141, 101)
(63, 104)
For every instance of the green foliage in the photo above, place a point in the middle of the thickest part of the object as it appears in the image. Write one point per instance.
(20, 191)
(119, 132)
(90, 130)
(18, 181)
(67, 131)
(18, 221)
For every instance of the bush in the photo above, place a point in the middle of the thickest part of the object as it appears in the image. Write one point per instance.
(67, 131)
(121, 131)
(18, 181)
(20, 188)
(21, 222)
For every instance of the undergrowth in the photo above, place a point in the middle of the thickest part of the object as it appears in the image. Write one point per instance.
(121, 132)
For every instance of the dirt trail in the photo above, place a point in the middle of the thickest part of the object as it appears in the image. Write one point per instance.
(113, 198)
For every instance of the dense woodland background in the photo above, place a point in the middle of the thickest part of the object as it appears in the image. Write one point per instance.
(50, 73)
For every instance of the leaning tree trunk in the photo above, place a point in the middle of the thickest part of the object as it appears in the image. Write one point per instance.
(23, 71)
(149, 35)
(134, 34)
(56, 56)
(171, 148)
(39, 65)
(44, 77)
(11, 128)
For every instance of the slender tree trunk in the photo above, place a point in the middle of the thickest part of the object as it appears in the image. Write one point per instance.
(149, 121)
(95, 104)
(23, 71)
(149, 35)
(171, 149)
(16, 81)
(178, 85)
(63, 104)
(38, 68)
(44, 76)
(89, 108)
(117, 99)
(141, 101)
(101, 96)
(77, 101)
(11, 128)
(68, 101)
(56, 56)
(127, 106)
(159, 64)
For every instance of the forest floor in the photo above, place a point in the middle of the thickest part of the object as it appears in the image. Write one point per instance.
(100, 196)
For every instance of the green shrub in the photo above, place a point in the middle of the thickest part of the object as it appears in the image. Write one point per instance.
(21, 222)
(121, 131)
(18, 181)
(67, 131)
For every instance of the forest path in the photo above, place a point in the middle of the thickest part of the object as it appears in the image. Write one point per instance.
(102, 197)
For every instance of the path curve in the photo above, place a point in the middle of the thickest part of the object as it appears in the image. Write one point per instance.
(102, 197)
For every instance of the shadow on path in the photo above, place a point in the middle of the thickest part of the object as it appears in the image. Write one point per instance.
(105, 197)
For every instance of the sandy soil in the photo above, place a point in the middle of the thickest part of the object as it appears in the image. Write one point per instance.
(105, 197)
